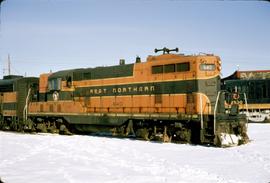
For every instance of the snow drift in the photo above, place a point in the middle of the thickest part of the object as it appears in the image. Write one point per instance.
(55, 158)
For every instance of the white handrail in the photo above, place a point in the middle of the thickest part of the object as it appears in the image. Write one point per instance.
(25, 109)
(201, 107)
(246, 104)
(215, 110)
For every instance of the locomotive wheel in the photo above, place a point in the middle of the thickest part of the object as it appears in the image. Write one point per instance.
(63, 130)
(129, 129)
(119, 131)
(28, 126)
(183, 135)
(6, 127)
(142, 133)
(166, 137)
(53, 129)
(41, 127)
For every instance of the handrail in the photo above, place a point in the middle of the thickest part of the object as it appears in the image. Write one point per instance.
(215, 111)
(25, 110)
(246, 104)
(201, 108)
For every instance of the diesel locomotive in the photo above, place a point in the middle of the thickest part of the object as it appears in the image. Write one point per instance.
(169, 97)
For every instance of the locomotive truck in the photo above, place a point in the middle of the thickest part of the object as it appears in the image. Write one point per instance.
(169, 97)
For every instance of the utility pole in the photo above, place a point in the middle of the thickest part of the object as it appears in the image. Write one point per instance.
(8, 68)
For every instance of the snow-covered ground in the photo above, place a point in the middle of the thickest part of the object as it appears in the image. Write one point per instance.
(55, 158)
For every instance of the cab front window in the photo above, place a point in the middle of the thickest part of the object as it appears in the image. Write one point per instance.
(55, 84)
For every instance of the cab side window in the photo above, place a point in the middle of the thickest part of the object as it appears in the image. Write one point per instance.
(69, 81)
(169, 68)
(157, 69)
(182, 67)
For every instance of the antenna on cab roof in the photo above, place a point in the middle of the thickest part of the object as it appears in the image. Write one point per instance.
(166, 50)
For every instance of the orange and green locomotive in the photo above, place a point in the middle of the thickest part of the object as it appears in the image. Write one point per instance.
(169, 97)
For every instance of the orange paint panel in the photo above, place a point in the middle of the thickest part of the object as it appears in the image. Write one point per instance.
(65, 88)
(208, 60)
(10, 97)
(143, 103)
(126, 104)
(206, 106)
(69, 107)
(255, 106)
(58, 107)
(34, 107)
(43, 82)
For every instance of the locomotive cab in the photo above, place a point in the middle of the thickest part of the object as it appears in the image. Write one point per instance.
(200, 76)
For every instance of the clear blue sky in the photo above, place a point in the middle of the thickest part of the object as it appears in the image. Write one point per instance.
(44, 35)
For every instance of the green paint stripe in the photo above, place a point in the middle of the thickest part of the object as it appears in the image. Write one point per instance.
(173, 87)
(10, 106)
(157, 88)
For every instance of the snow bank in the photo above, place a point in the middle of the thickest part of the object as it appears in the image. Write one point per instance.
(229, 140)
(54, 158)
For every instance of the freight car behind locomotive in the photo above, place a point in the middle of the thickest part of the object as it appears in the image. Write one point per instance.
(170, 97)
(15, 93)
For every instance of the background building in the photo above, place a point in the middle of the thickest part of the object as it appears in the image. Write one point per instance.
(256, 86)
